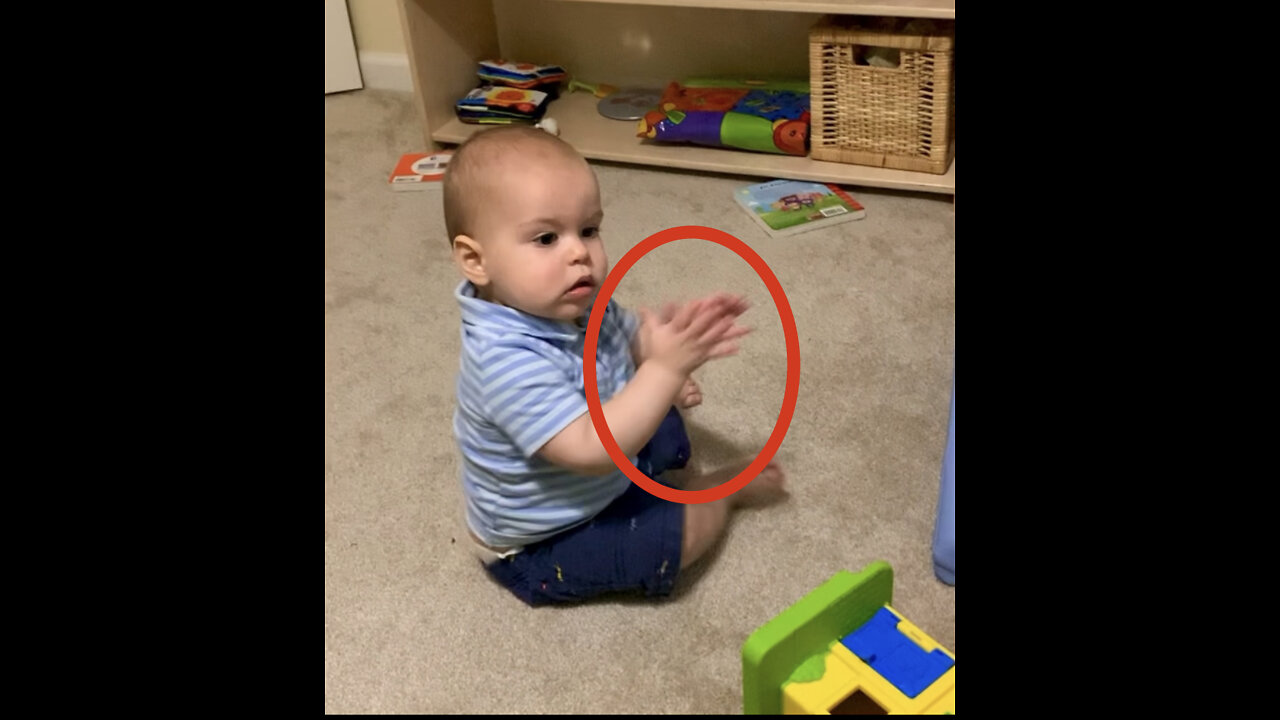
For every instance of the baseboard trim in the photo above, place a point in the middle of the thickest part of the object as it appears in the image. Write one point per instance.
(386, 71)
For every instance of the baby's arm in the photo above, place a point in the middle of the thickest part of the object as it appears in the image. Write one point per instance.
(633, 414)
(673, 348)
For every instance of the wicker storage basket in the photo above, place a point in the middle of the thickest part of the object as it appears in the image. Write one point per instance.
(895, 117)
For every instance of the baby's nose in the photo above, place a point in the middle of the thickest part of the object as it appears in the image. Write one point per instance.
(577, 248)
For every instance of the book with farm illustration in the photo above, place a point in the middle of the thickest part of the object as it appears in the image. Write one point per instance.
(787, 207)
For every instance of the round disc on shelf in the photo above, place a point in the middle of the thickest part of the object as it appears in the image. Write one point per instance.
(629, 103)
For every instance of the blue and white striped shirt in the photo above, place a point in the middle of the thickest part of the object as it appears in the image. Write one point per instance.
(519, 384)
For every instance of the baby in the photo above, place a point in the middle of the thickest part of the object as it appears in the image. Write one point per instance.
(547, 508)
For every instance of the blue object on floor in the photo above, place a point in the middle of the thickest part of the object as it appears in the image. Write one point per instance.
(944, 534)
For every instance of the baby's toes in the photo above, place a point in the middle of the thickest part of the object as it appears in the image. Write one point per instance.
(772, 476)
(767, 488)
(690, 395)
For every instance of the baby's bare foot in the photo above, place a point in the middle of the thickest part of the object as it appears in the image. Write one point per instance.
(767, 487)
(690, 395)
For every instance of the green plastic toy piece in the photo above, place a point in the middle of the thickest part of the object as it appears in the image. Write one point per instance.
(781, 646)
(600, 90)
(810, 670)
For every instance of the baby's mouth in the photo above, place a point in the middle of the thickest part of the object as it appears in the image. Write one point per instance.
(582, 287)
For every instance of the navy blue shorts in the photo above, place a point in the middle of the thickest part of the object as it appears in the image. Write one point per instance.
(632, 545)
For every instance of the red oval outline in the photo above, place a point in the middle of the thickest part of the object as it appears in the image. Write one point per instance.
(791, 392)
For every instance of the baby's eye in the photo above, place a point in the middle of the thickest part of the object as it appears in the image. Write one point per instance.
(590, 232)
(545, 239)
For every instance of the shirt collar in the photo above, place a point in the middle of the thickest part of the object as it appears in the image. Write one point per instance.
(492, 316)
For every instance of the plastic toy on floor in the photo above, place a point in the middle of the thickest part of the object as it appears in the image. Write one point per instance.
(843, 650)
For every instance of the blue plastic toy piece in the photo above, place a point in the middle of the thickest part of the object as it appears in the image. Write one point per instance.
(895, 656)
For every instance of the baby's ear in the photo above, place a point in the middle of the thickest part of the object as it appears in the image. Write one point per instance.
(469, 256)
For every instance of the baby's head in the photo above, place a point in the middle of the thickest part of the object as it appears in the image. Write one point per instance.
(523, 213)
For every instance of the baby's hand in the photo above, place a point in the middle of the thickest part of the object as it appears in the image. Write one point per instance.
(734, 304)
(683, 338)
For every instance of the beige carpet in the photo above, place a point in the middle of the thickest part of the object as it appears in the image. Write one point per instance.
(412, 625)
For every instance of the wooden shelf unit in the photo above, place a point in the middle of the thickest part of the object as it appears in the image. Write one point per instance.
(639, 42)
